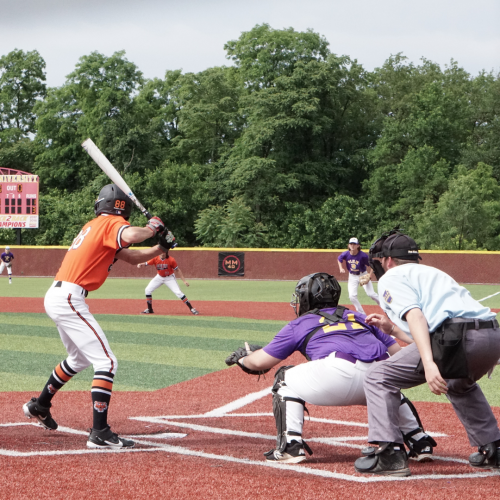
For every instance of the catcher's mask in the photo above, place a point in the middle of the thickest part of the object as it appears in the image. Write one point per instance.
(112, 200)
(315, 291)
(393, 244)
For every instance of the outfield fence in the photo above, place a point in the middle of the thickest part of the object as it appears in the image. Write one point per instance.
(263, 264)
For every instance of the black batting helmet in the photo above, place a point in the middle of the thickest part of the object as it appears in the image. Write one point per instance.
(315, 291)
(112, 200)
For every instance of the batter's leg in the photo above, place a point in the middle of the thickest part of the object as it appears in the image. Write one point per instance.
(88, 346)
(352, 287)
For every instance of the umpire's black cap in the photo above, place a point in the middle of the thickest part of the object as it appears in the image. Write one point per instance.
(400, 246)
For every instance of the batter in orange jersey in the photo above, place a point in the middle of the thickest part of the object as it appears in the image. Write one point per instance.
(85, 267)
(165, 267)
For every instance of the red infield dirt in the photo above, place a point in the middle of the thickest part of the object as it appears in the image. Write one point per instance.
(204, 439)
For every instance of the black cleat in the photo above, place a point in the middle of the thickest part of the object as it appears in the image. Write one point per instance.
(389, 459)
(194, 311)
(147, 311)
(486, 457)
(106, 438)
(34, 410)
(293, 454)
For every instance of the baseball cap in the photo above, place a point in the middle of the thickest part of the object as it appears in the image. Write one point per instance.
(7, 248)
(354, 240)
(400, 246)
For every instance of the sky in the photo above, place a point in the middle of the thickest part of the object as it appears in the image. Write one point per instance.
(161, 35)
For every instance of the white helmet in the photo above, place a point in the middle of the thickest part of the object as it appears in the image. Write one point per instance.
(7, 249)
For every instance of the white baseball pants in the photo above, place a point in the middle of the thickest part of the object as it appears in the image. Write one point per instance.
(169, 281)
(330, 381)
(3, 265)
(80, 333)
(352, 287)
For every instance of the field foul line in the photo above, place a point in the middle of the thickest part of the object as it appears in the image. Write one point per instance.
(488, 297)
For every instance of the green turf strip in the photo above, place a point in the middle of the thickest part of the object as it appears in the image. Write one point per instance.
(218, 290)
(151, 354)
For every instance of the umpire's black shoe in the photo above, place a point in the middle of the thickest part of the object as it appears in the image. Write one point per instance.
(487, 457)
(32, 409)
(106, 438)
(389, 459)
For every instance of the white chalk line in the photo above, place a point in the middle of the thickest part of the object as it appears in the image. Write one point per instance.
(488, 297)
(223, 412)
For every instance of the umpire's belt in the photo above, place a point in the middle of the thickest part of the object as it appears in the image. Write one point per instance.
(352, 359)
(471, 324)
(71, 288)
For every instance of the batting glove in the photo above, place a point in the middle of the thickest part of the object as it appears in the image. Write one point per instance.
(156, 225)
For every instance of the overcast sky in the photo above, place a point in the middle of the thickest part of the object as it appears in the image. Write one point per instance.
(158, 35)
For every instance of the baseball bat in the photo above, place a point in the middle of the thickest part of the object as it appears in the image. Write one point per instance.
(96, 154)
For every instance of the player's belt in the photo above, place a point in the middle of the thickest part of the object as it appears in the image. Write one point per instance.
(472, 324)
(352, 359)
(71, 287)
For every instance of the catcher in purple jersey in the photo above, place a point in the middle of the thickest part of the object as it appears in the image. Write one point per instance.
(340, 347)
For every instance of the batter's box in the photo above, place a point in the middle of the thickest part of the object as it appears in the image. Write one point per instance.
(212, 420)
(55, 443)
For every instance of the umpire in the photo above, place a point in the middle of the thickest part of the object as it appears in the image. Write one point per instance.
(457, 341)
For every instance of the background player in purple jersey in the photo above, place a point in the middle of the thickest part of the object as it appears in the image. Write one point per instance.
(6, 262)
(357, 266)
(340, 347)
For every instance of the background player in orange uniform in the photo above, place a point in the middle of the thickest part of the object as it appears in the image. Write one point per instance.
(166, 267)
(84, 269)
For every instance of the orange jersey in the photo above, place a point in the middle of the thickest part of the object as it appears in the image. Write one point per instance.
(164, 267)
(92, 253)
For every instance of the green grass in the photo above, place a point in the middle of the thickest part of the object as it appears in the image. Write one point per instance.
(156, 352)
(219, 290)
(152, 352)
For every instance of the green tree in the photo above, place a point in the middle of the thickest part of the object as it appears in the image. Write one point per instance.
(22, 77)
(264, 54)
(328, 226)
(233, 226)
(467, 216)
(96, 101)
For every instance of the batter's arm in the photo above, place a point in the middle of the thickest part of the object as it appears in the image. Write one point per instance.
(259, 360)
(138, 256)
(134, 234)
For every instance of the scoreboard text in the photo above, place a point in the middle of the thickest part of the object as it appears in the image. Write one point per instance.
(19, 201)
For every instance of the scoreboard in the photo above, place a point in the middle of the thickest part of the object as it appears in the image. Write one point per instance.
(18, 199)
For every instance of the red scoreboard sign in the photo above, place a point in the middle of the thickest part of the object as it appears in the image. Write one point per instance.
(18, 199)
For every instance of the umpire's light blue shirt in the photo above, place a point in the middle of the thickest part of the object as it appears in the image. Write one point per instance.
(436, 294)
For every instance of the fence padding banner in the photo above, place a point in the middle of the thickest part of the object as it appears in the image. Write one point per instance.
(231, 264)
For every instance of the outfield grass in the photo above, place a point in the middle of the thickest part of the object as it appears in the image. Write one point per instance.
(219, 290)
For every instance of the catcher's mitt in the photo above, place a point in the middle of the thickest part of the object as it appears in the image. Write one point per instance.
(241, 352)
(166, 240)
(363, 280)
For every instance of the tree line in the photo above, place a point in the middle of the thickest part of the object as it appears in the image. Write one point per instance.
(291, 146)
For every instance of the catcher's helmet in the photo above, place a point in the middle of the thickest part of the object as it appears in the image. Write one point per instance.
(315, 291)
(112, 200)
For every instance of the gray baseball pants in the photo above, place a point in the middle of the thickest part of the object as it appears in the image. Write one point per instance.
(384, 380)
